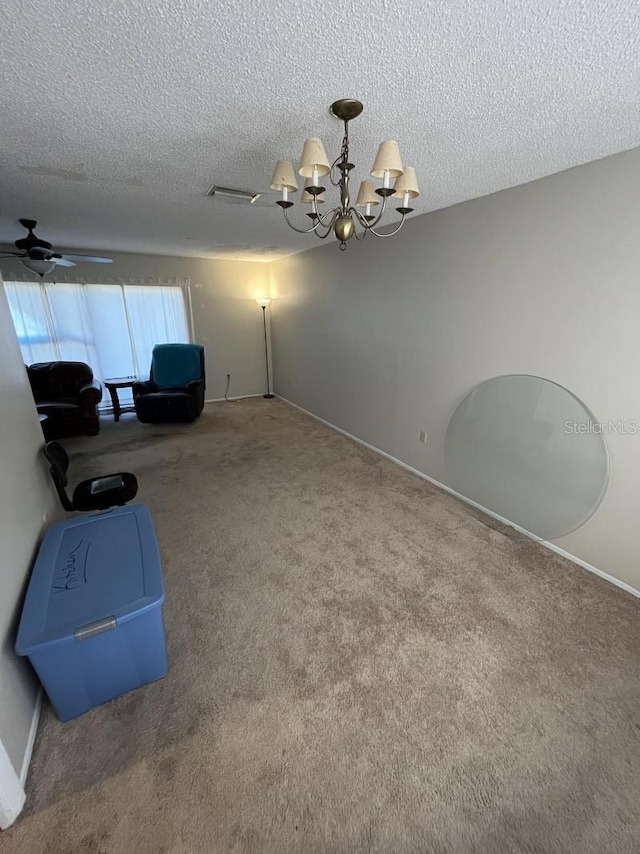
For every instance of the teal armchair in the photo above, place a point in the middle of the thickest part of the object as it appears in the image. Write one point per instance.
(176, 385)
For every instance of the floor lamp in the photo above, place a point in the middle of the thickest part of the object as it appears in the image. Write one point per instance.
(263, 303)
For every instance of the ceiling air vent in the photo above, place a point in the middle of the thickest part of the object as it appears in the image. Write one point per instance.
(232, 193)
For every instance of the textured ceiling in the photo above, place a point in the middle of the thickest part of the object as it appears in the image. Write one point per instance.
(117, 116)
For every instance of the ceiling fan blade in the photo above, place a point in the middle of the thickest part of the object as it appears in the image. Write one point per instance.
(93, 259)
(63, 262)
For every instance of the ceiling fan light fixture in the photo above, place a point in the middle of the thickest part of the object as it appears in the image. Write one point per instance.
(38, 265)
(233, 193)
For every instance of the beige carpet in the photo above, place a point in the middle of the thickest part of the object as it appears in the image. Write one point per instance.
(358, 663)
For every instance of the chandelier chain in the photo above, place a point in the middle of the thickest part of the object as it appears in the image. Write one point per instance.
(344, 154)
(343, 157)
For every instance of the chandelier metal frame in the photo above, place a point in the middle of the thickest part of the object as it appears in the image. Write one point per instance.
(343, 219)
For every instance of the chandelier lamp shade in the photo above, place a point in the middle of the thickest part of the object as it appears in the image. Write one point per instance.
(346, 220)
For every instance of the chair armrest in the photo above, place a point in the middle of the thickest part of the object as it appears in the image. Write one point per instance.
(196, 390)
(90, 394)
(143, 387)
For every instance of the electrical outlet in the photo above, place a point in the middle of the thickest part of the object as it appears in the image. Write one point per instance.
(423, 437)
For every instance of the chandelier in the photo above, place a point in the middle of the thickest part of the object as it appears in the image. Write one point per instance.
(346, 220)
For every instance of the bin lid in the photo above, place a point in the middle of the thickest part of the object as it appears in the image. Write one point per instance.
(88, 569)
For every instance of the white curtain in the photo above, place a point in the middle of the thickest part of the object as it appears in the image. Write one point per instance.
(168, 323)
(112, 328)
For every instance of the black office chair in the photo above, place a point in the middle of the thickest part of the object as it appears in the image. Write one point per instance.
(99, 493)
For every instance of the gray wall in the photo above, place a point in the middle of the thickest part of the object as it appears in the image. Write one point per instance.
(27, 502)
(227, 321)
(384, 340)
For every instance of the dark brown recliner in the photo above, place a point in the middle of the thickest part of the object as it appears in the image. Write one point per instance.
(66, 393)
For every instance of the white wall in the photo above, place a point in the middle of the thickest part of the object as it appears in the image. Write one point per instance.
(227, 321)
(27, 502)
(385, 338)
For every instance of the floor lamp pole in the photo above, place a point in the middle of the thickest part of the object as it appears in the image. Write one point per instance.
(266, 351)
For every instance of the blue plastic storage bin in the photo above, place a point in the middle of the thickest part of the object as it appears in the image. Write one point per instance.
(92, 618)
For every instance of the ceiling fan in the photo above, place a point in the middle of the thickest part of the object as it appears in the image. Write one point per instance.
(38, 256)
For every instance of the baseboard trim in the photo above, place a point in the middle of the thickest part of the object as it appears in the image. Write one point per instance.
(26, 760)
(12, 796)
(233, 399)
(546, 543)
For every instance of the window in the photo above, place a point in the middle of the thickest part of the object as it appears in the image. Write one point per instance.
(113, 328)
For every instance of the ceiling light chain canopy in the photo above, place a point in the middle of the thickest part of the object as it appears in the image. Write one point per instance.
(344, 219)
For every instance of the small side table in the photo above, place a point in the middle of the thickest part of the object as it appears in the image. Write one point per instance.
(112, 386)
